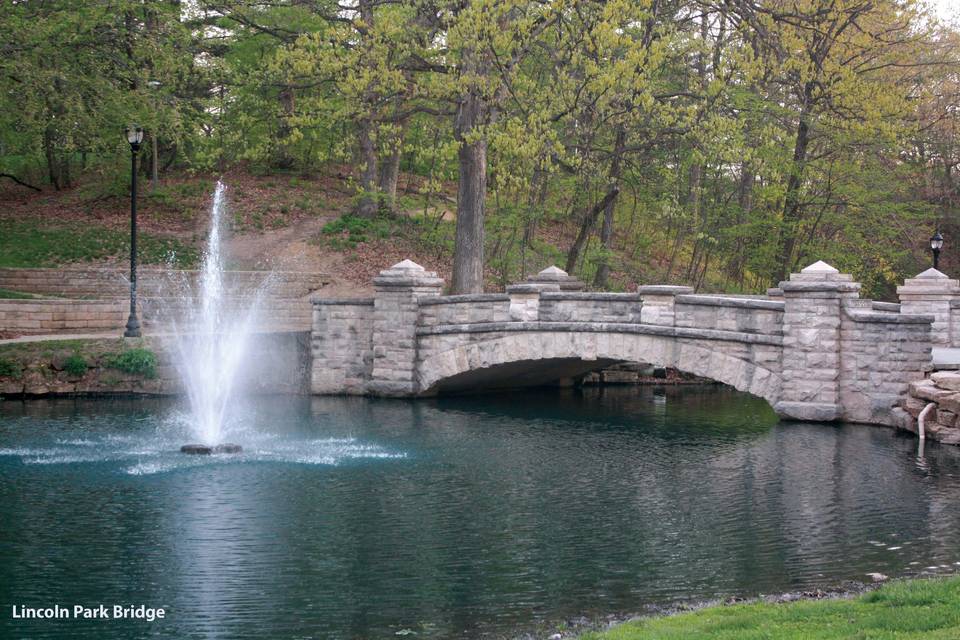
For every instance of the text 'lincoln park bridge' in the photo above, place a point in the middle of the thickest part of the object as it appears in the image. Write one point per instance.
(811, 347)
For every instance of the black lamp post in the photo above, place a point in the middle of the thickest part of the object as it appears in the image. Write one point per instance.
(936, 243)
(134, 137)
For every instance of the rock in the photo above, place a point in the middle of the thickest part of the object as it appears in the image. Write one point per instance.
(946, 418)
(58, 362)
(950, 403)
(205, 450)
(942, 433)
(227, 448)
(878, 577)
(947, 380)
(196, 449)
(927, 390)
(913, 406)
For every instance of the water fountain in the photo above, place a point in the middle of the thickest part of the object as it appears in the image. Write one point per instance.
(211, 348)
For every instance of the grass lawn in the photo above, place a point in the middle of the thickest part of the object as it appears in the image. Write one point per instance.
(26, 244)
(927, 609)
(6, 294)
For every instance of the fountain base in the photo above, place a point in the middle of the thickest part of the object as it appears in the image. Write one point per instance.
(205, 450)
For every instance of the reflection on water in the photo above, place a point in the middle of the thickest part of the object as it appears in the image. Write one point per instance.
(467, 517)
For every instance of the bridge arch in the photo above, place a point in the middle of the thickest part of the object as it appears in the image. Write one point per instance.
(441, 367)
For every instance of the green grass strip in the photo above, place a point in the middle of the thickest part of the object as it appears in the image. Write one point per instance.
(902, 610)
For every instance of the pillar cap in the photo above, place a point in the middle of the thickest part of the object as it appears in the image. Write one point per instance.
(555, 275)
(819, 267)
(819, 273)
(931, 274)
(407, 273)
(929, 283)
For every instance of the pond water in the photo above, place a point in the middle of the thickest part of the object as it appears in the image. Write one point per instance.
(471, 517)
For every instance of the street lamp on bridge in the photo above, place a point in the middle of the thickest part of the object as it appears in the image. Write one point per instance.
(936, 243)
(134, 137)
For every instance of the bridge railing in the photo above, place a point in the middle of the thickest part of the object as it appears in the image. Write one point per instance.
(464, 309)
(727, 313)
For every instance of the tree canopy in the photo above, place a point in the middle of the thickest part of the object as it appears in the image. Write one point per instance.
(677, 138)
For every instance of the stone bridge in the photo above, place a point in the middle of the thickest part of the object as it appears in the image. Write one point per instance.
(811, 348)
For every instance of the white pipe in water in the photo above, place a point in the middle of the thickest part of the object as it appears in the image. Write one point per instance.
(922, 418)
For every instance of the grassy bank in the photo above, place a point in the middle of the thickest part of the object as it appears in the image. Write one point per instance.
(903, 610)
(25, 244)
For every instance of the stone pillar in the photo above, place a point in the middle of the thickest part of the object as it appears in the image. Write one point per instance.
(340, 345)
(813, 303)
(931, 293)
(395, 310)
(658, 303)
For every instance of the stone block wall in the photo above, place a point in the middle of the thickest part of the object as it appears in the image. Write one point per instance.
(49, 316)
(464, 309)
(34, 317)
(342, 345)
(881, 354)
(272, 314)
(563, 306)
(747, 315)
(99, 282)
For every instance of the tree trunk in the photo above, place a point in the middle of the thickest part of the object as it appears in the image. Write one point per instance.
(606, 231)
(471, 191)
(472, 113)
(283, 158)
(791, 203)
(737, 261)
(538, 195)
(53, 165)
(589, 220)
(367, 207)
(390, 171)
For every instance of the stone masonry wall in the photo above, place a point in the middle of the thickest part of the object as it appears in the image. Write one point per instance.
(99, 282)
(881, 354)
(342, 345)
(47, 316)
(27, 317)
(487, 307)
(763, 317)
(562, 306)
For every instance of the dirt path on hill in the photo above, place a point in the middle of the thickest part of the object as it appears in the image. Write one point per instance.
(292, 249)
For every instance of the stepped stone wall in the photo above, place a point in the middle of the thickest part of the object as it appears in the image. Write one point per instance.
(101, 282)
(95, 300)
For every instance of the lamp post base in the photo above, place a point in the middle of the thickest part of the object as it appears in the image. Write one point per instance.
(133, 327)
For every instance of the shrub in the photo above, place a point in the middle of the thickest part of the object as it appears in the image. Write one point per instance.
(350, 230)
(75, 365)
(138, 361)
(9, 368)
